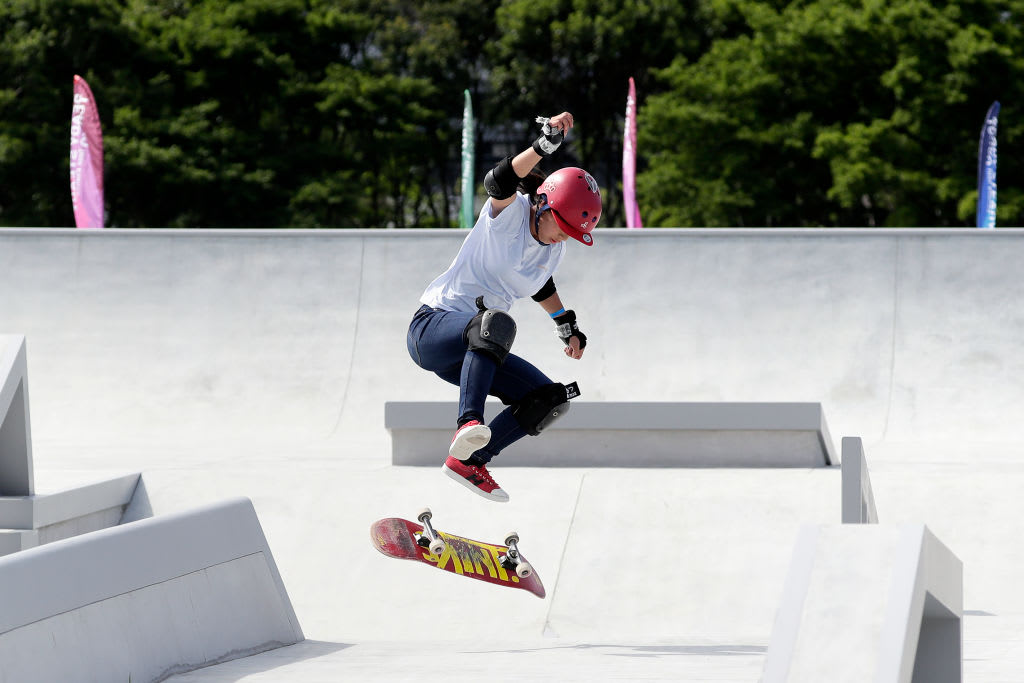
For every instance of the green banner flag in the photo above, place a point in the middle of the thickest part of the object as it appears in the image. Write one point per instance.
(466, 213)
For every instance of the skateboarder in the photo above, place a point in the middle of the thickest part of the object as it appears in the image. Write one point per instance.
(463, 331)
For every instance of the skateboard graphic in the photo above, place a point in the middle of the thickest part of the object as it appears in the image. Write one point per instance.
(500, 564)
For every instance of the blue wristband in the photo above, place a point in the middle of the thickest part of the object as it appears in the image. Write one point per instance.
(557, 313)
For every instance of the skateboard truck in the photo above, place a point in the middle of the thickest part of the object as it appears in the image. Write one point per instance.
(513, 560)
(430, 540)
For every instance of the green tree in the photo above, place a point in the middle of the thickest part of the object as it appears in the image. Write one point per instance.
(302, 113)
(265, 113)
(424, 56)
(856, 113)
(550, 56)
(441, 42)
(346, 113)
(262, 113)
(42, 45)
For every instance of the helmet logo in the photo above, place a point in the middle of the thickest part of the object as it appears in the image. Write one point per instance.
(588, 239)
(549, 186)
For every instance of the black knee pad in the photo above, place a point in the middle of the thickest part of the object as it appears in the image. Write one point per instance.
(539, 408)
(491, 332)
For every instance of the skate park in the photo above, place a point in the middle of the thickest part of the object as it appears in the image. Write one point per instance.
(197, 433)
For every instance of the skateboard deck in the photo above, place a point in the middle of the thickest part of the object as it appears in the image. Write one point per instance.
(398, 538)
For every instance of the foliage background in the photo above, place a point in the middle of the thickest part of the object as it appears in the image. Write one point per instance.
(347, 113)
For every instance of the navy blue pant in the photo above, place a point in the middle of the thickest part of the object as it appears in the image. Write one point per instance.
(436, 343)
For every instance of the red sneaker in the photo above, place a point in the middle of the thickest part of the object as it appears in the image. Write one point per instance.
(470, 438)
(475, 478)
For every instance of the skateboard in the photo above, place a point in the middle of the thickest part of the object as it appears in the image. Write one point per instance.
(500, 564)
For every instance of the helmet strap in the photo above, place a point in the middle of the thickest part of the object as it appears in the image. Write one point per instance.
(541, 206)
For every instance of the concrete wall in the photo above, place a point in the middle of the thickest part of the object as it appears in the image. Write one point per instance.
(16, 474)
(296, 339)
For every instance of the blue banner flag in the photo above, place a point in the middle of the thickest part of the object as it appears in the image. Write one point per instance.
(466, 215)
(987, 169)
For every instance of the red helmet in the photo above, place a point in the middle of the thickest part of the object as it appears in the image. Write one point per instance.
(575, 200)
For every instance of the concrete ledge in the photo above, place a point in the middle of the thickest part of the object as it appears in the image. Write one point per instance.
(36, 512)
(145, 600)
(869, 603)
(28, 521)
(606, 434)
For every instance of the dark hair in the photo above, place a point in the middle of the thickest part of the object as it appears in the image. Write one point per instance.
(531, 183)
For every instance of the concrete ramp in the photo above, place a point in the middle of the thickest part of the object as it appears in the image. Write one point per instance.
(143, 601)
(869, 603)
(682, 556)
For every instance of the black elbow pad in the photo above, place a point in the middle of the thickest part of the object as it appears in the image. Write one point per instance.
(501, 181)
(544, 292)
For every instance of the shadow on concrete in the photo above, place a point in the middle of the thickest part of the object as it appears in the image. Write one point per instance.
(241, 669)
(652, 650)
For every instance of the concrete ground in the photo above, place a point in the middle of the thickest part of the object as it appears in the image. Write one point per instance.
(257, 364)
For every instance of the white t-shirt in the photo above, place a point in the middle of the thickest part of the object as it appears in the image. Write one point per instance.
(499, 259)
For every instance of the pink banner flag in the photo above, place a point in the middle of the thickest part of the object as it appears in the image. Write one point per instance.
(86, 158)
(629, 162)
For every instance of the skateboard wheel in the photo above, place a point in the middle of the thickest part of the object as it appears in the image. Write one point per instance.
(425, 513)
(524, 569)
(437, 546)
(512, 537)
